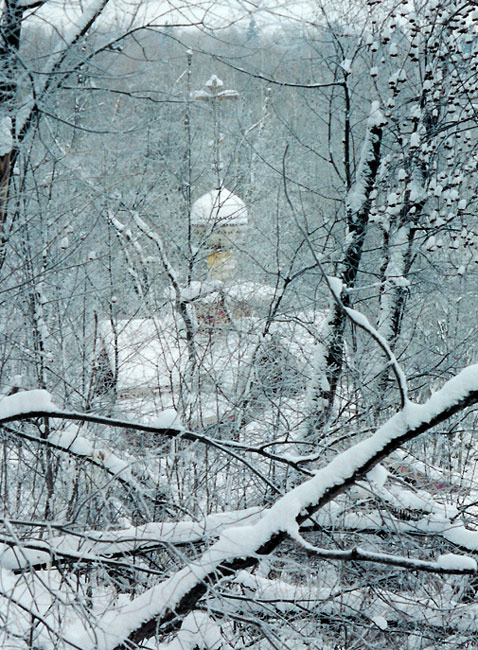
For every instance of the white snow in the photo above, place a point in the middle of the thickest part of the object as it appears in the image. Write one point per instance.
(362, 321)
(356, 197)
(211, 290)
(113, 463)
(318, 383)
(401, 174)
(150, 357)
(414, 140)
(376, 117)
(229, 93)
(214, 82)
(378, 475)
(346, 65)
(400, 281)
(167, 419)
(6, 138)
(381, 606)
(96, 545)
(457, 562)
(15, 557)
(24, 402)
(393, 277)
(109, 542)
(64, 242)
(454, 532)
(336, 285)
(201, 95)
(70, 439)
(380, 622)
(71, 25)
(243, 541)
(240, 542)
(220, 207)
(198, 632)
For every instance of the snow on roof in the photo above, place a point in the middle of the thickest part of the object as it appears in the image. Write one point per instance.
(153, 357)
(252, 292)
(220, 207)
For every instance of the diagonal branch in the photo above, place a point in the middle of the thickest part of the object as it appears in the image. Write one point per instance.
(160, 609)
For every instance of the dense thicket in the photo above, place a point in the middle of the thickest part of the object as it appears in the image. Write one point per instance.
(230, 435)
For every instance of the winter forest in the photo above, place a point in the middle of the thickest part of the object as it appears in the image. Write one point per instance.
(238, 325)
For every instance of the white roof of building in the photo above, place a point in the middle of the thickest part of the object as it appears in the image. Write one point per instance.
(220, 207)
(153, 359)
(151, 355)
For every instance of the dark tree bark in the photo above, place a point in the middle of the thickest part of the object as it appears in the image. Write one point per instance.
(357, 222)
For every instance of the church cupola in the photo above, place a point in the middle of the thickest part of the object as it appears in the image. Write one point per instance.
(219, 220)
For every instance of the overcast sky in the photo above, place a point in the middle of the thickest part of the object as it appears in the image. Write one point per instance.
(209, 13)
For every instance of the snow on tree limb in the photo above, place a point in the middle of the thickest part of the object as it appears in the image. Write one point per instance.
(20, 405)
(357, 208)
(450, 563)
(240, 547)
(79, 447)
(29, 404)
(107, 546)
(391, 607)
(358, 197)
(433, 523)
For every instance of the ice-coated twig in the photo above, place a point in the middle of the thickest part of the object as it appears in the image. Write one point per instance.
(450, 563)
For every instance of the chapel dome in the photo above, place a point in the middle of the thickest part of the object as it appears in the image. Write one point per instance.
(219, 207)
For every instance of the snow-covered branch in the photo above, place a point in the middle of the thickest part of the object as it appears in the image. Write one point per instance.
(86, 547)
(449, 563)
(240, 547)
(358, 198)
(80, 447)
(28, 405)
